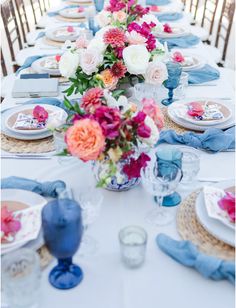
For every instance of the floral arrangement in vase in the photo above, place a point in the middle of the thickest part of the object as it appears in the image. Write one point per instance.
(121, 51)
(110, 132)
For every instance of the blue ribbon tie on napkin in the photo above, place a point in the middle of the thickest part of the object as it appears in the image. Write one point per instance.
(47, 189)
(203, 74)
(186, 41)
(28, 62)
(187, 254)
(47, 100)
(40, 35)
(213, 139)
(158, 2)
(169, 16)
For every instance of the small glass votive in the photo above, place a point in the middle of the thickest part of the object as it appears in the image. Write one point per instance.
(190, 165)
(180, 91)
(145, 90)
(21, 278)
(133, 242)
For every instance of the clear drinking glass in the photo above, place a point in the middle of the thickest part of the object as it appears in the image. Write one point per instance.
(190, 165)
(21, 278)
(160, 180)
(90, 201)
(145, 90)
(133, 242)
(180, 91)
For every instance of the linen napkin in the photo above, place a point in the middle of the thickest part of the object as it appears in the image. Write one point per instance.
(203, 74)
(169, 16)
(28, 62)
(213, 139)
(181, 42)
(55, 13)
(157, 2)
(187, 254)
(40, 35)
(47, 189)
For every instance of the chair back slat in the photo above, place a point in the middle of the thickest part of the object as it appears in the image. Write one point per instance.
(209, 13)
(225, 25)
(3, 65)
(37, 9)
(194, 5)
(11, 27)
(21, 11)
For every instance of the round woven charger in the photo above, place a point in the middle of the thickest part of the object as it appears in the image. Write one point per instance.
(190, 229)
(13, 145)
(49, 42)
(65, 19)
(169, 124)
(80, 4)
(45, 256)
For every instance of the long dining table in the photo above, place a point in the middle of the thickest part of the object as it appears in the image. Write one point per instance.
(160, 282)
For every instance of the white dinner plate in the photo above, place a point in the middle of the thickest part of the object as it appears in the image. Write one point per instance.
(71, 13)
(213, 226)
(182, 122)
(31, 199)
(28, 108)
(178, 31)
(197, 62)
(72, 36)
(38, 67)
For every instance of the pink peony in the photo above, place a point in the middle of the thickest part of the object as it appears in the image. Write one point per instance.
(116, 5)
(40, 113)
(143, 130)
(9, 224)
(70, 29)
(139, 118)
(177, 57)
(85, 139)
(133, 168)
(227, 203)
(92, 99)
(151, 109)
(109, 120)
(114, 37)
(167, 28)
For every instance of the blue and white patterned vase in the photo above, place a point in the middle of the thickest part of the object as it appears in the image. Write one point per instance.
(120, 181)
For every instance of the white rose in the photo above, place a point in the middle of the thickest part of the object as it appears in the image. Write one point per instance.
(156, 73)
(69, 63)
(103, 18)
(152, 140)
(56, 119)
(90, 60)
(136, 58)
(97, 43)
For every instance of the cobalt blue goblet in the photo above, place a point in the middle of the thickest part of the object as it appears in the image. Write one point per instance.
(173, 156)
(174, 73)
(62, 228)
(99, 4)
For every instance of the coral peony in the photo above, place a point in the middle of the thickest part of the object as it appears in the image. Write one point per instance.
(85, 139)
(108, 79)
(151, 109)
(115, 37)
(92, 99)
(40, 113)
(109, 120)
(118, 69)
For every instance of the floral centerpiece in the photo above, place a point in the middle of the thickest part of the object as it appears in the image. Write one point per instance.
(109, 132)
(125, 48)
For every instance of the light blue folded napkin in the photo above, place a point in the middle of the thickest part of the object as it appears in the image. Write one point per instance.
(47, 189)
(40, 35)
(163, 17)
(213, 139)
(47, 100)
(28, 62)
(181, 42)
(203, 74)
(158, 2)
(55, 13)
(187, 254)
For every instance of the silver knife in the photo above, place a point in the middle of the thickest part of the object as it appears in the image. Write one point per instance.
(20, 156)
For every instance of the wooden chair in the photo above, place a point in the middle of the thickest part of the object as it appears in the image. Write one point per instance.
(11, 29)
(38, 9)
(225, 25)
(3, 66)
(208, 18)
(193, 8)
(21, 11)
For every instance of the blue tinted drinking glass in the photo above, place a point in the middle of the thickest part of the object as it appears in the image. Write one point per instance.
(174, 156)
(62, 228)
(99, 4)
(174, 73)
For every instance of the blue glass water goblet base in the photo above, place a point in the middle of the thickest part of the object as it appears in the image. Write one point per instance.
(168, 101)
(65, 275)
(171, 200)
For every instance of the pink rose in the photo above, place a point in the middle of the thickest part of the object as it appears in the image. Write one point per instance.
(90, 60)
(40, 113)
(151, 109)
(177, 57)
(156, 73)
(134, 38)
(120, 16)
(227, 203)
(81, 42)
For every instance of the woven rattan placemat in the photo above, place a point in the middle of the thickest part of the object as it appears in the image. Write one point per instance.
(169, 124)
(190, 229)
(45, 256)
(66, 19)
(49, 42)
(13, 145)
(80, 3)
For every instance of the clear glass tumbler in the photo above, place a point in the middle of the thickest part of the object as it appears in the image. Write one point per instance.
(190, 165)
(180, 91)
(133, 242)
(21, 278)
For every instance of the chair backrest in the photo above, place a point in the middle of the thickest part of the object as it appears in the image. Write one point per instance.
(38, 9)
(3, 65)
(21, 11)
(225, 25)
(11, 27)
(209, 12)
(194, 4)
